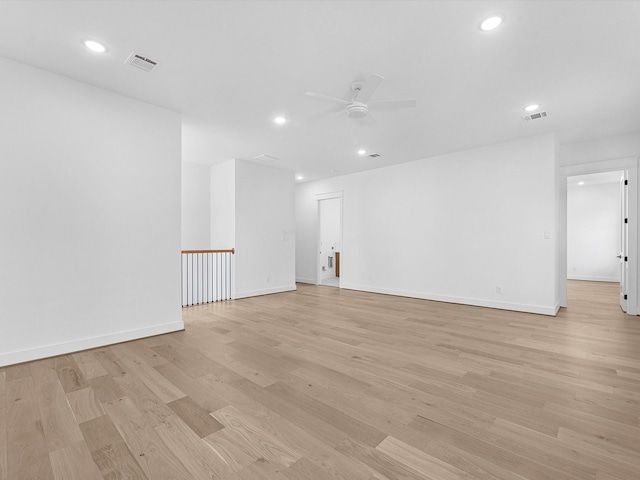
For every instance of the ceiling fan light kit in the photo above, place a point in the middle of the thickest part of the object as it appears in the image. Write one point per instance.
(357, 110)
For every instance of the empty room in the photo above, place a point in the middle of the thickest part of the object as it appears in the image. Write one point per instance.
(306, 240)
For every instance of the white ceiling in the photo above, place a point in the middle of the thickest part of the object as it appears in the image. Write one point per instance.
(230, 66)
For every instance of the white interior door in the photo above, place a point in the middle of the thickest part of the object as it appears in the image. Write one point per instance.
(624, 240)
(329, 238)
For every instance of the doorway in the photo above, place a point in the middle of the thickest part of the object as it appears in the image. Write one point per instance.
(629, 230)
(329, 241)
(596, 232)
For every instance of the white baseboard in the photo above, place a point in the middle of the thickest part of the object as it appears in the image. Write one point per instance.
(593, 279)
(46, 351)
(265, 291)
(517, 307)
(312, 281)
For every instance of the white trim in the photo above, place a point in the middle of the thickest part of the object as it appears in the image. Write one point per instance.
(46, 351)
(328, 196)
(593, 279)
(599, 167)
(517, 307)
(311, 281)
(265, 291)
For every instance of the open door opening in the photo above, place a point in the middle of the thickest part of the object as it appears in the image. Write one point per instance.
(329, 241)
(597, 238)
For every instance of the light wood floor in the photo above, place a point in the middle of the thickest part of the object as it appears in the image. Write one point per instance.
(329, 383)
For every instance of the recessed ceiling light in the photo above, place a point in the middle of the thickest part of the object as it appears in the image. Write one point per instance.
(299, 177)
(492, 22)
(532, 108)
(280, 120)
(95, 46)
(580, 183)
(362, 151)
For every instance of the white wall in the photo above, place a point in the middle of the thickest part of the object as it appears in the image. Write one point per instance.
(90, 215)
(593, 232)
(265, 231)
(619, 146)
(329, 234)
(196, 202)
(223, 205)
(450, 228)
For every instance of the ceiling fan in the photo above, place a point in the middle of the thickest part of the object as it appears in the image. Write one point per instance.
(358, 106)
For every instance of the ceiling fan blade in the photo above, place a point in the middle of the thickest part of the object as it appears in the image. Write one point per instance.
(332, 112)
(369, 120)
(370, 86)
(326, 98)
(408, 103)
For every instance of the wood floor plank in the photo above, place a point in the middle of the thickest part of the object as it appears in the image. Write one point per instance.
(159, 385)
(69, 374)
(3, 438)
(190, 360)
(354, 428)
(85, 405)
(194, 453)
(59, 423)
(225, 448)
(116, 461)
(74, 462)
(16, 372)
(27, 452)
(3, 425)
(305, 469)
(100, 432)
(426, 465)
(147, 402)
(44, 371)
(196, 417)
(566, 457)
(254, 441)
(105, 388)
(207, 398)
(89, 365)
(154, 458)
(383, 464)
(261, 470)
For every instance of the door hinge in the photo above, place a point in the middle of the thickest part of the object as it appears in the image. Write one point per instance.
(625, 297)
(626, 259)
(626, 182)
(626, 220)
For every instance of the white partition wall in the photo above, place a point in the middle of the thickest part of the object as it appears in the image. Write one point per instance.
(89, 215)
(475, 227)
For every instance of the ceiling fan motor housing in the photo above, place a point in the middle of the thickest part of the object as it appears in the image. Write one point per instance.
(357, 110)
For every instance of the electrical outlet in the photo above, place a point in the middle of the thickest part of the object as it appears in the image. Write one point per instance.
(498, 289)
(268, 279)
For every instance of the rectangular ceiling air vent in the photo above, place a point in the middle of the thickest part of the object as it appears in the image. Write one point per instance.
(535, 116)
(141, 62)
(265, 158)
(374, 155)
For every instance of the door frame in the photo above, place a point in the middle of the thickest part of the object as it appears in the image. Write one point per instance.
(624, 240)
(319, 198)
(630, 166)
